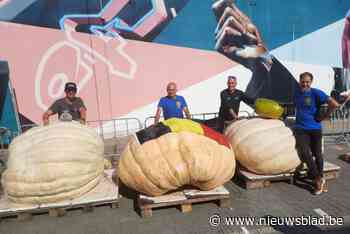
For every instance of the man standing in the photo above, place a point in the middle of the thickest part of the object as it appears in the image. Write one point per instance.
(308, 128)
(172, 105)
(230, 99)
(68, 108)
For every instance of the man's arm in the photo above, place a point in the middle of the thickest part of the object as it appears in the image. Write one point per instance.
(248, 100)
(53, 109)
(332, 105)
(185, 108)
(157, 116)
(160, 106)
(187, 112)
(234, 115)
(46, 116)
(82, 111)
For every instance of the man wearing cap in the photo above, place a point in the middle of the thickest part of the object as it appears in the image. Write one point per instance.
(230, 99)
(172, 105)
(68, 108)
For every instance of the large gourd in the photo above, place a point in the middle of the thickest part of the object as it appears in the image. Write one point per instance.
(57, 162)
(174, 160)
(263, 146)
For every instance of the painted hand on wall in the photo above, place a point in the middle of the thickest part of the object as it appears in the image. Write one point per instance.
(237, 37)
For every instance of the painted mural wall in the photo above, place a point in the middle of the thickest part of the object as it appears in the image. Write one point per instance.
(122, 53)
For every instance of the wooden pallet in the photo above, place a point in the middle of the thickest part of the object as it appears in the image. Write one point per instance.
(105, 193)
(183, 199)
(253, 181)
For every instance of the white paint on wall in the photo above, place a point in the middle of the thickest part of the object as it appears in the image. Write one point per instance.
(320, 47)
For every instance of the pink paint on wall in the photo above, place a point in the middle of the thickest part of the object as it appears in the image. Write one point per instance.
(114, 76)
(346, 43)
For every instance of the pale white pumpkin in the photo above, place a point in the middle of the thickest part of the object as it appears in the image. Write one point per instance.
(174, 160)
(263, 146)
(47, 164)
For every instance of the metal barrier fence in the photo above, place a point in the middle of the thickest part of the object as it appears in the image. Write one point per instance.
(116, 127)
(115, 133)
(338, 123)
(199, 116)
(338, 126)
(205, 116)
(150, 120)
(119, 127)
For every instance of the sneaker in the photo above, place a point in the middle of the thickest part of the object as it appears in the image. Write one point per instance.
(318, 192)
(301, 171)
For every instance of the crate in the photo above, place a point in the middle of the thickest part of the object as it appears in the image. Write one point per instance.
(105, 193)
(183, 200)
(251, 180)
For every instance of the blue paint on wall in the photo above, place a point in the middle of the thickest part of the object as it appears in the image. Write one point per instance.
(8, 117)
(279, 21)
(193, 27)
(7, 108)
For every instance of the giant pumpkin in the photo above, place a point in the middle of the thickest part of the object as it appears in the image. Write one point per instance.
(47, 164)
(185, 154)
(263, 146)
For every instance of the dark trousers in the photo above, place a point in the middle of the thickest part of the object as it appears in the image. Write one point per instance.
(222, 124)
(309, 145)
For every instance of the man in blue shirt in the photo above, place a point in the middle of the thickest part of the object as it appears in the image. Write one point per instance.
(308, 128)
(172, 105)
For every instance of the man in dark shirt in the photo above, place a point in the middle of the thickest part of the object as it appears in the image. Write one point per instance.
(230, 99)
(68, 108)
